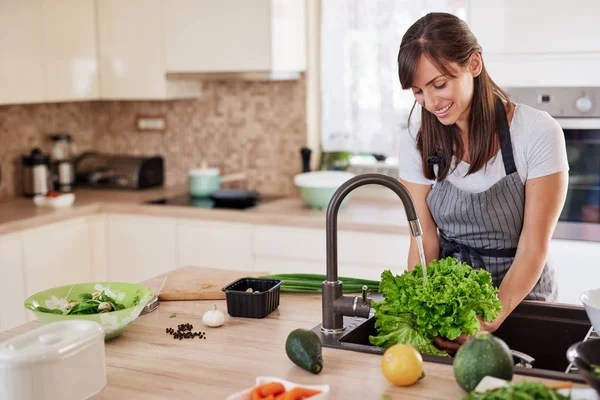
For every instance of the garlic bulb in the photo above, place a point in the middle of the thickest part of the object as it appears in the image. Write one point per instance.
(213, 318)
(102, 307)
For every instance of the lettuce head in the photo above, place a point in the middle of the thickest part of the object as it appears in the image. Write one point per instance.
(414, 312)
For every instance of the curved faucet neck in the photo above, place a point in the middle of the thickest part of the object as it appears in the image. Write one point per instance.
(340, 195)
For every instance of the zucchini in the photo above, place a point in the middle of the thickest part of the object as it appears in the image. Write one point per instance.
(311, 283)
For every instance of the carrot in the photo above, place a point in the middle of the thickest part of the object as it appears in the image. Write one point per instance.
(273, 388)
(281, 396)
(269, 397)
(256, 393)
(560, 385)
(299, 393)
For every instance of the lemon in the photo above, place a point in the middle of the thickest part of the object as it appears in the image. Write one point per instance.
(402, 365)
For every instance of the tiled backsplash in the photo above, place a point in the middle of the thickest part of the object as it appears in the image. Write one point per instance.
(255, 127)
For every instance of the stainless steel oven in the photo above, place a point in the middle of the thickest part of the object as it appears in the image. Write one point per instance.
(577, 110)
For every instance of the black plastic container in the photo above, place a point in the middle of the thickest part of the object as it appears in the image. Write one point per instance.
(260, 302)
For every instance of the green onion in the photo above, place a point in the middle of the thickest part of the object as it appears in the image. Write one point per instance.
(311, 283)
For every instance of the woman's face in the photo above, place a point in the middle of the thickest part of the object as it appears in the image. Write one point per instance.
(449, 99)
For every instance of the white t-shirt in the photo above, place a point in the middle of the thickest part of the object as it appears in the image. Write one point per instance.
(538, 144)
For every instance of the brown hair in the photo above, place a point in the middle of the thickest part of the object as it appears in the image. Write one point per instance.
(445, 38)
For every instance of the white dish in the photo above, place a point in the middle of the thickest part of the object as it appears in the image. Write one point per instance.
(491, 383)
(591, 302)
(63, 201)
(246, 394)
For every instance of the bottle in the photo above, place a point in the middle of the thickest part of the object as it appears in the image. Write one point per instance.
(63, 172)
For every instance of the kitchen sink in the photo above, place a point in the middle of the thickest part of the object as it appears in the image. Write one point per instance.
(541, 330)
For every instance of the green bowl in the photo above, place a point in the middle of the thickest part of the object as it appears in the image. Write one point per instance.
(113, 323)
(317, 188)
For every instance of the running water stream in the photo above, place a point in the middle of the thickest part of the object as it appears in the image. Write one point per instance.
(419, 240)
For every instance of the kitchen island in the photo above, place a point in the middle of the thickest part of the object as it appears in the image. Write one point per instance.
(145, 362)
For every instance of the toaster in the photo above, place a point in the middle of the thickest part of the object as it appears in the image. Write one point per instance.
(119, 171)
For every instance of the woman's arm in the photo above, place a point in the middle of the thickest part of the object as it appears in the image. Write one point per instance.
(430, 236)
(544, 200)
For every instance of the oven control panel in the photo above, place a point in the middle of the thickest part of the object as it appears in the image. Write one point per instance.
(565, 102)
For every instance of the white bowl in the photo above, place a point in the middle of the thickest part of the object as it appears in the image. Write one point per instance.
(246, 394)
(591, 302)
(317, 188)
(322, 179)
(63, 201)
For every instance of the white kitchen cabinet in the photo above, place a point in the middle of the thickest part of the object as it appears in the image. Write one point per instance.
(21, 63)
(537, 42)
(131, 49)
(140, 247)
(49, 51)
(57, 254)
(12, 284)
(70, 55)
(359, 253)
(275, 265)
(99, 247)
(215, 244)
(535, 26)
(204, 36)
(544, 70)
(576, 268)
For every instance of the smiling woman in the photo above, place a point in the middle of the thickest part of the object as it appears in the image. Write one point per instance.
(488, 176)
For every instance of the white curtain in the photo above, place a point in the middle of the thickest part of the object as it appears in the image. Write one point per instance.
(363, 106)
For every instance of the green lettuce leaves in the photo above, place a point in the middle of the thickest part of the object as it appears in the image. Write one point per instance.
(414, 312)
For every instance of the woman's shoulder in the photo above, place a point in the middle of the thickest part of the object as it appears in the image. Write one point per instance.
(527, 117)
(539, 142)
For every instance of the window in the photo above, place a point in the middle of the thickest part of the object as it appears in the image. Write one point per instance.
(364, 110)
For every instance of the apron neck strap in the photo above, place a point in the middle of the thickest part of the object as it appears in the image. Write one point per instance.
(504, 136)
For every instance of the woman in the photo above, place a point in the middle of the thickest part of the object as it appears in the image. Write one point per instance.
(489, 175)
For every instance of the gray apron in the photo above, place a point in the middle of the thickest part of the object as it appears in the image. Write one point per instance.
(483, 229)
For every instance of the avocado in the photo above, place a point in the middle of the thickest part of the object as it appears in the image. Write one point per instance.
(304, 348)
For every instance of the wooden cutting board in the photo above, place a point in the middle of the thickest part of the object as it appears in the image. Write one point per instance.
(200, 283)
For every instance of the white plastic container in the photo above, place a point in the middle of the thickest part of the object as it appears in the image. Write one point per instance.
(62, 360)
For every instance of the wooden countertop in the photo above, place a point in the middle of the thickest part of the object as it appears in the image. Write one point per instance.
(146, 362)
(364, 213)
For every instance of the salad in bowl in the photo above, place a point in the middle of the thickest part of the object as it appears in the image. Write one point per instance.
(113, 305)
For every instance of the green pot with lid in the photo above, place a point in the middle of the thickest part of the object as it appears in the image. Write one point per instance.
(204, 181)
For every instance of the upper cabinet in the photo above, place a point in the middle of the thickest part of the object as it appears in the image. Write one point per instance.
(536, 26)
(231, 36)
(48, 51)
(21, 68)
(72, 50)
(131, 48)
(537, 42)
(69, 42)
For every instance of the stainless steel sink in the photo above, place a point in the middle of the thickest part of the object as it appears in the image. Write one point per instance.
(543, 331)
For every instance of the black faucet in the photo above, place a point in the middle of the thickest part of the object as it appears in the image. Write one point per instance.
(335, 304)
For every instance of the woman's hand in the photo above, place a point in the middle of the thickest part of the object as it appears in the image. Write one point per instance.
(453, 345)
